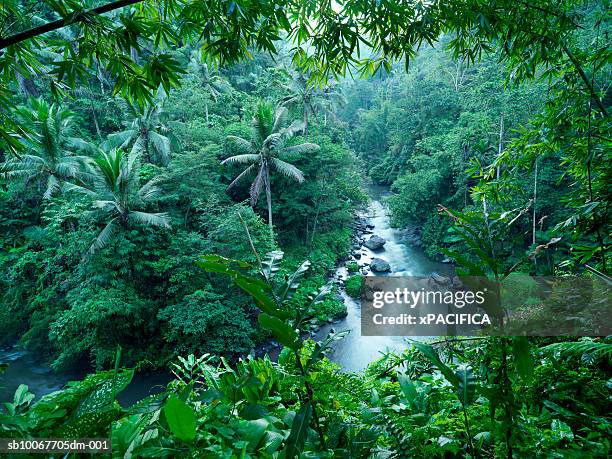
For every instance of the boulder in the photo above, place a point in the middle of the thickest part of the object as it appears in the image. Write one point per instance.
(439, 279)
(375, 242)
(379, 265)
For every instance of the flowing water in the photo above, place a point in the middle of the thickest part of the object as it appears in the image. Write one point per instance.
(353, 353)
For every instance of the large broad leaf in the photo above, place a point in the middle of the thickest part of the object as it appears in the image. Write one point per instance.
(407, 386)
(282, 332)
(322, 346)
(523, 362)
(181, 419)
(431, 355)
(299, 431)
(467, 385)
(254, 432)
(261, 293)
(271, 264)
(292, 283)
(103, 394)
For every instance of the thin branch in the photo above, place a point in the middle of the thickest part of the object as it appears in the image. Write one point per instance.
(55, 25)
(248, 233)
(585, 78)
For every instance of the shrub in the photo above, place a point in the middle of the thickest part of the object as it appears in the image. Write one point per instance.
(353, 285)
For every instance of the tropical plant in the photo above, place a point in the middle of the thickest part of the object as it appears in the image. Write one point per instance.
(310, 99)
(118, 195)
(268, 141)
(213, 83)
(286, 322)
(48, 159)
(147, 133)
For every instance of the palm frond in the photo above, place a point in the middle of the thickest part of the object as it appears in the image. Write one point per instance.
(103, 239)
(120, 139)
(74, 143)
(297, 127)
(68, 187)
(249, 170)
(150, 190)
(53, 186)
(263, 121)
(242, 159)
(288, 170)
(242, 145)
(597, 349)
(274, 141)
(280, 115)
(162, 147)
(139, 147)
(257, 186)
(147, 218)
(303, 148)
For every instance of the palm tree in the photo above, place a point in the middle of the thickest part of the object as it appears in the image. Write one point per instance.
(49, 158)
(302, 93)
(118, 195)
(268, 141)
(213, 83)
(147, 133)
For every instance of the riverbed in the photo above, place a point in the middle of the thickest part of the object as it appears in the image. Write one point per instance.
(353, 353)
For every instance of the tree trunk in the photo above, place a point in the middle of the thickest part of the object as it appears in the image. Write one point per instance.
(206, 108)
(95, 119)
(501, 140)
(535, 197)
(269, 201)
(314, 226)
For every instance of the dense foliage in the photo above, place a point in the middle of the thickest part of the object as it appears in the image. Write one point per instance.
(180, 178)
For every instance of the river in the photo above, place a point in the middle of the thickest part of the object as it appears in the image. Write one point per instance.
(353, 353)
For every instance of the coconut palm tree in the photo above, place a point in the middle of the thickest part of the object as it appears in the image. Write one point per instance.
(261, 153)
(213, 83)
(147, 134)
(49, 157)
(310, 99)
(118, 197)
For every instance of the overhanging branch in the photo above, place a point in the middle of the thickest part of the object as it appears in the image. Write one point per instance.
(55, 25)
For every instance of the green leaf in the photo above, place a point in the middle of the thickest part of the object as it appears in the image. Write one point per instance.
(282, 332)
(523, 362)
(254, 432)
(561, 431)
(407, 386)
(299, 431)
(271, 264)
(181, 419)
(292, 282)
(431, 355)
(467, 385)
(259, 292)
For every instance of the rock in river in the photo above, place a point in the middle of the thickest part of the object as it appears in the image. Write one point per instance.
(380, 266)
(440, 280)
(375, 242)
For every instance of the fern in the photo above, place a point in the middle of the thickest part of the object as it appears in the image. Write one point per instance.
(600, 349)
